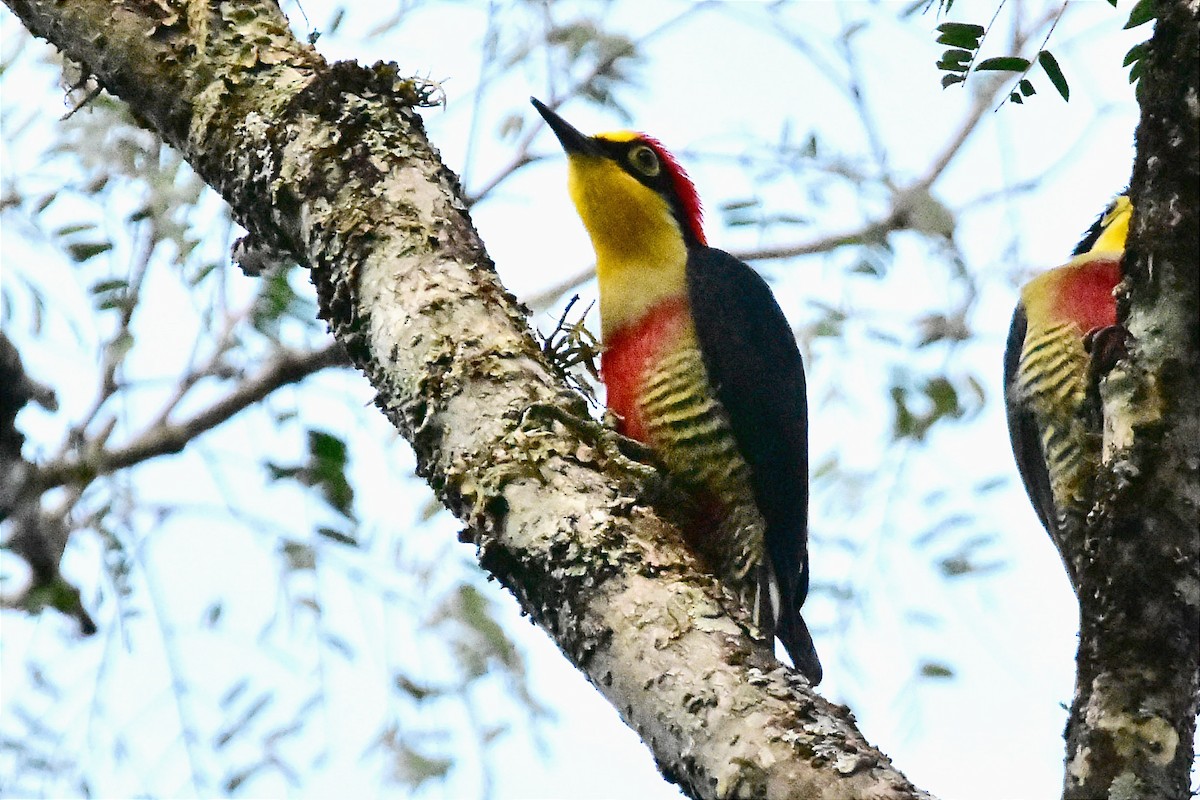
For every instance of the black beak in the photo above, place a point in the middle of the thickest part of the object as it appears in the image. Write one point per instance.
(572, 141)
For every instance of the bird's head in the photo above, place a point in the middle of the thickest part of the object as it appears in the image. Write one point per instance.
(1109, 231)
(634, 198)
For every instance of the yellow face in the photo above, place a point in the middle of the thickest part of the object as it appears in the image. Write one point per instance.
(640, 253)
(1116, 227)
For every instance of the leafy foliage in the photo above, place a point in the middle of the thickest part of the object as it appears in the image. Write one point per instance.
(1141, 13)
(967, 39)
(122, 224)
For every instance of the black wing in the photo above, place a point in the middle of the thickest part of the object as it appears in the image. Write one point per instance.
(1023, 430)
(755, 366)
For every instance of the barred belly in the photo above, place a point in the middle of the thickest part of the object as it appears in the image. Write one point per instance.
(690, 431)
(1053, 377)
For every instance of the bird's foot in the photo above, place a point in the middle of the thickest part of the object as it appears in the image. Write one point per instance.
(1106, 346)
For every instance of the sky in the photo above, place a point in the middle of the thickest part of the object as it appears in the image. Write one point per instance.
(723, 75)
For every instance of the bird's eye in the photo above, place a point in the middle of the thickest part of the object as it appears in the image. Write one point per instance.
(644, 160)
(1114, 209)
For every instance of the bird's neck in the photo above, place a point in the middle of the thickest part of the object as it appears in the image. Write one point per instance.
(634, 284)
(641, 256)
(1080, 292)
(1116, 229)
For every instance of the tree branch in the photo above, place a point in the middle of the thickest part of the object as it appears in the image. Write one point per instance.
(330, 164)
(171, 437)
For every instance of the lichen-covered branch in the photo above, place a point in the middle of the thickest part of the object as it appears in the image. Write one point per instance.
(330, 165)
(1132, 725)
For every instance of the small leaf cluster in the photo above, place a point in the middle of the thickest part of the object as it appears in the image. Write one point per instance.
(325, 469)
(1141, 13)
(965, 40)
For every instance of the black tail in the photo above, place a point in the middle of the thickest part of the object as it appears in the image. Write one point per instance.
(786, 623)
(798, 642)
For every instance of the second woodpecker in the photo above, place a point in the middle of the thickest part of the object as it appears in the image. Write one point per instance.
(1064, 334)
(700, 364)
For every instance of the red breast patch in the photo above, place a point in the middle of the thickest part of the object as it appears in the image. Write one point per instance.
(629, 351)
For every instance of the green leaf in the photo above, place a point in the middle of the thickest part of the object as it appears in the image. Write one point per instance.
(950, 80)
(954, 60)
(279, 473)
(111, 302)
(328, 470)
(337, 536)
(327, 447)
(1026, 88)
(904, 423)
(960, 34)
(67, 230)
(1003, 64)
(99, 287)
(1112, 3)
(944, 397)
(931, 669)
(958, 41)
(274, 299)
(1016, 98)
(1054, 73)
(1143, 12)
(964, 28)
(1135, 54)
(82, 251)
(415, 690)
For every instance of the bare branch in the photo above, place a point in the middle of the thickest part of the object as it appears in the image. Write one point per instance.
(522, 157)
(166, 438)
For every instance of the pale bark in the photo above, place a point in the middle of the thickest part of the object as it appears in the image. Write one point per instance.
(330, 165)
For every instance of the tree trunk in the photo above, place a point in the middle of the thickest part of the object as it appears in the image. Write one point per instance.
(1132, 725)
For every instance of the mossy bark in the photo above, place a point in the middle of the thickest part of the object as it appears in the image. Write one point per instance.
(1132, 725)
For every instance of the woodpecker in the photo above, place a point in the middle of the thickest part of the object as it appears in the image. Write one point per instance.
(1064, 334)
(700, 364)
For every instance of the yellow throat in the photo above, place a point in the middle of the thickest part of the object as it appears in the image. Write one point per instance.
(1115, 226)
(641, 258)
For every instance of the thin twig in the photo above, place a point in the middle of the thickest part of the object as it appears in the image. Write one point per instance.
(523, 157)
(285, 368)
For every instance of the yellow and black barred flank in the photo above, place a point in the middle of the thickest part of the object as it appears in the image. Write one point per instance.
(1052, 380)
(691, 432)
(1049, 375)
